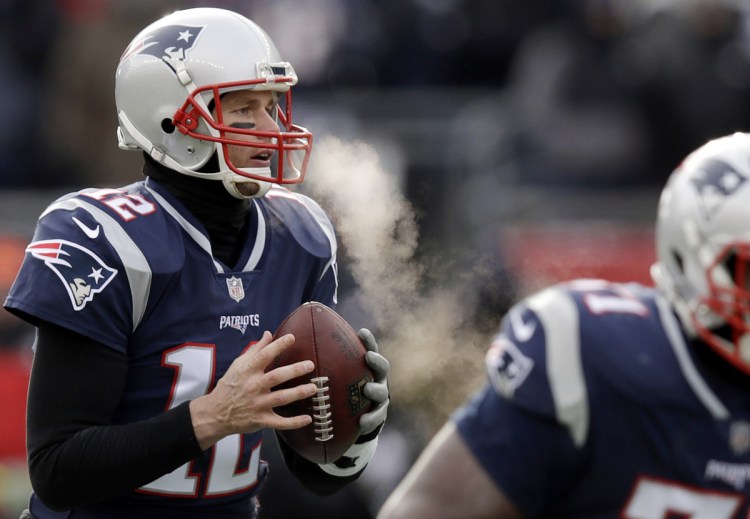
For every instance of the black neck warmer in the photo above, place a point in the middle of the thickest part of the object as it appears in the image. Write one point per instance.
(715, 364)
(223, 215)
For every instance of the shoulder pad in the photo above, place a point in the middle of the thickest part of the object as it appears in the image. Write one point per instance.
(304, 219)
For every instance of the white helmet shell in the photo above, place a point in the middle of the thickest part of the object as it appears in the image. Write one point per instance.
(175, 67)
(703, 245)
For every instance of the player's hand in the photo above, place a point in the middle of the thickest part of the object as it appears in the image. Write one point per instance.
(376, 391)
(242, 401)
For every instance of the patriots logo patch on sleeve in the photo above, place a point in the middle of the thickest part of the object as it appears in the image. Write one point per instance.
(507, 366)
(83, 273)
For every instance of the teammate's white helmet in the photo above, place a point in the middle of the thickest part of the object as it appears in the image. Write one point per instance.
(175, 70)
(703, 246)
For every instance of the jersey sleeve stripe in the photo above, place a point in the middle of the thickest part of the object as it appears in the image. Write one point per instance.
(559, 317)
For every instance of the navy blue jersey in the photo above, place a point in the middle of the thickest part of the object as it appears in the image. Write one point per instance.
(132, 269)
(596, 407)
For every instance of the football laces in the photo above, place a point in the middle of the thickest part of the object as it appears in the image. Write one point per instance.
(321, 407)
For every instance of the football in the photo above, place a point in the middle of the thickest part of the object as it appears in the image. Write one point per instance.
(323, 336)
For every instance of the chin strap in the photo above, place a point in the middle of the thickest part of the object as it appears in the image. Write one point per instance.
(232, 179)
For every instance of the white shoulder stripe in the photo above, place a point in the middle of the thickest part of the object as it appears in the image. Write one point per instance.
(559, 317)
(136, 267)
(260, 241)
(694, 380)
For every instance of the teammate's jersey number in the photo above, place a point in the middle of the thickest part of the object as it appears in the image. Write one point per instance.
(658, 499)
(653, 498)
(602, 297)
(194, 366)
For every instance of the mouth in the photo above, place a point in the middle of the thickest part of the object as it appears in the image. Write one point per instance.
(263, 157)
(250, 156)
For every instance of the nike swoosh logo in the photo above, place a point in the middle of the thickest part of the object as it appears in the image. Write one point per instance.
(522, 330)
(88, 231)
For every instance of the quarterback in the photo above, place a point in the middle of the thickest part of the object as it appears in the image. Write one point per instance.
(154, 302)
(609, 400)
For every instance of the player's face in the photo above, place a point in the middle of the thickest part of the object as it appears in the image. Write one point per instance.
(735, 259)
(248, 109)
(740, 274)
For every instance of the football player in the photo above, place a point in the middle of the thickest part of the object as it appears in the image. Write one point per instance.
(152, 302)
(613, 400)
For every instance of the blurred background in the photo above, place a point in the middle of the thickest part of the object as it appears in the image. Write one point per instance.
(528, 138)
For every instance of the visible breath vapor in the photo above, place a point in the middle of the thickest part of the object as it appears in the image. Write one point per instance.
(421, 326)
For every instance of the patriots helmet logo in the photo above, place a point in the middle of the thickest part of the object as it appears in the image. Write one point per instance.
(715, 183)
(168, 42)
(83, 273)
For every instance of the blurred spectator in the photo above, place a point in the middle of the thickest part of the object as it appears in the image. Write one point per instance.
(82, 120)
(690, 61)
(578, 122)
(615, 91)
(15, 334)
(313, 30)
(16, 338)
(599, 89)
(28, 32)
(432, 43)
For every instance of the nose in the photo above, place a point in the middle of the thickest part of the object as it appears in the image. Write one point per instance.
(266, 122)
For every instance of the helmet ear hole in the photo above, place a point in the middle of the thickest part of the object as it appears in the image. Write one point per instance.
(167, 126)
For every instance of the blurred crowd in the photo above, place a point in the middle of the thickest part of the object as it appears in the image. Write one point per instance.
(477, 96)
(590, 91)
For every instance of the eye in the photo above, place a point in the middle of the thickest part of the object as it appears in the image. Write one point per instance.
(244, 110)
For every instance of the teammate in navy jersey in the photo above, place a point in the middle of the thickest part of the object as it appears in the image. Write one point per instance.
(608, 400)
(154, 302)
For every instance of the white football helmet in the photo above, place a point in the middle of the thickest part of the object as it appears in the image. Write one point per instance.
(703, 246)
(172, 75)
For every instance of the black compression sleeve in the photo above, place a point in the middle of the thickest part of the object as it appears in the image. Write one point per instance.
(75, 455)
